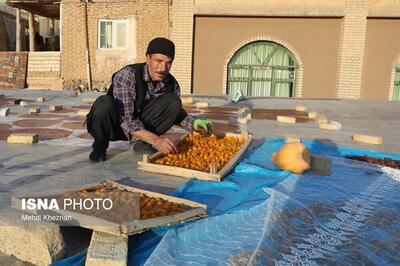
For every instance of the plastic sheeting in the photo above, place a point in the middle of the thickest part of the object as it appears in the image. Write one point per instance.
(260, 216)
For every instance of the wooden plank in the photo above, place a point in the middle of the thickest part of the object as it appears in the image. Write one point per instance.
(127, 228)
(190, 173)
(330, 126)
(367, 139)
(177, 171)
(232, 162)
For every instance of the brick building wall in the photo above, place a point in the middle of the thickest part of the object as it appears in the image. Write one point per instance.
(146, 20)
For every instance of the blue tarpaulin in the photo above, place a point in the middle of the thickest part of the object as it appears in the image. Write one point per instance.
(260, 215)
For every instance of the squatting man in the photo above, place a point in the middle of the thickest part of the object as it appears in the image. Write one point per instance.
(142, 104)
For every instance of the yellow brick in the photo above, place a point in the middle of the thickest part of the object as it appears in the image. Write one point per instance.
(55, 107)
(201, 104)
(23, 138)
(291, 138)
(329, 126)
(301, 108)
(312, 115)
(187, 100)
(367, 139)
(34, 110)
(82, 112)
(286, 119)
(89, 100)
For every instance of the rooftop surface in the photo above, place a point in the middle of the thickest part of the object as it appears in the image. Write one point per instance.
(63, 163)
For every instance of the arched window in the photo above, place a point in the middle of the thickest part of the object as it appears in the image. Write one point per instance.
(262, 68)
(396, 91)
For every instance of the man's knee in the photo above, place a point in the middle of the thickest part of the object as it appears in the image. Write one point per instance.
(174, 100)
(103, 105)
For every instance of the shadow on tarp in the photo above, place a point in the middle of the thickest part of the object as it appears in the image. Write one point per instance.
(242, 189)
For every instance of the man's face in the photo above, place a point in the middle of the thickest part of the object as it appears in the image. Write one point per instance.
(158, 65)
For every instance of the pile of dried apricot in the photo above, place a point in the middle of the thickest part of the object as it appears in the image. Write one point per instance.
(199, 152)
(155, 207)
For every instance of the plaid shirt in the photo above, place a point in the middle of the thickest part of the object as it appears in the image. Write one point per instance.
(124, 90)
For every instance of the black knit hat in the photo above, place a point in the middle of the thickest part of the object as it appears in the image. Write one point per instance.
(161, 46)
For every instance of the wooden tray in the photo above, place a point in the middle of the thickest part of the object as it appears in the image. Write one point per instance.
(146, 164)
(126, 228)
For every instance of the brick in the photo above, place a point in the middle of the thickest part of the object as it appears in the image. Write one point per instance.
(40, 99)
(82, 112)
(322, 119)
(89, 100)
(23, 138)
(56, 107)
(201, 104)
(5, 111)
(291, 138)
(330, 126)
(312, 115)
(321, 165)
(23, 103)
(367, 139)
(107, 250)
(286, 119)
(34, 110)
(301, 108)
(187, 100)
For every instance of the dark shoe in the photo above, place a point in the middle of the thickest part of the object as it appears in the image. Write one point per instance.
(97, 156)
(99, 151)
(143, 147)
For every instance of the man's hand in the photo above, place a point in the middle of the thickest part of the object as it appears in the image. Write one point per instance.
(165, 145)
(202, 124)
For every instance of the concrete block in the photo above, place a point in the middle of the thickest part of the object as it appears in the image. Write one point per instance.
(201, 104)
(312, 115)
(82, 112)
(23, 103)
(55, 107)
(5, 111)
(286, 119)
(107, 250)
(187, 100)
(291, 138)
(40, 99)
(333, 125)
(23, 138)
(368, 139)
(89, 100)
(301, 108)
(37, 244)
(321, 165)
(34, 110)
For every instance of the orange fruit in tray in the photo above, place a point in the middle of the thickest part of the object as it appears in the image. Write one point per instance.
(157, 207)
(198, 152)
